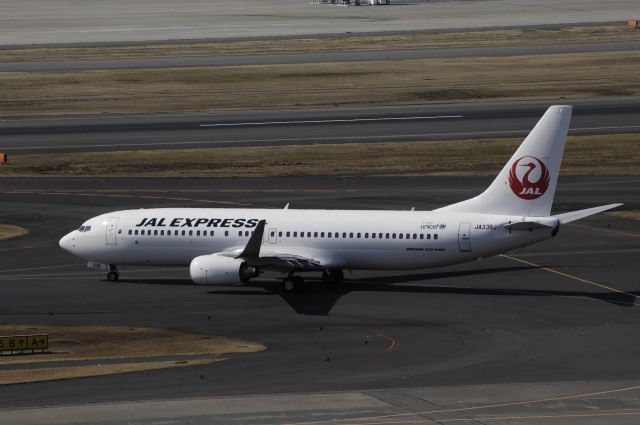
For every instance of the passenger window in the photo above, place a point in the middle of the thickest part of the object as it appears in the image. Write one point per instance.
(322, 234)
(295, 234)
(302, 234)
(288, 234)
(226, 233)
(308, 234)
(240, 233)
(184, 233)
(176, 233)
(328, 234)
(366, 236)
(142, 232)
(373, 235)
(387, 236)
(435, 236)
(130, 231)
(279, 234)
(393, 236)
(211, 233)
(344, 235)
(358, 235)
(136, 232)
(315, 234)
(428, 235)
(198, 233)
(351, 235)
(415, 236)
(421, 235)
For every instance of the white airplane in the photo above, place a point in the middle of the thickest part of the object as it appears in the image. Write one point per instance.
(230, 246)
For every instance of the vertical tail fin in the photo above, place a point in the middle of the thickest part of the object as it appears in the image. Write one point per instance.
(527, 183)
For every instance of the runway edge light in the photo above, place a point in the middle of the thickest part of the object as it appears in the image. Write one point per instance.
(3, 158)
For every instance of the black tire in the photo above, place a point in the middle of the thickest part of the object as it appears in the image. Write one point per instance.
(333, 276)
(113, 276)
(292, 284)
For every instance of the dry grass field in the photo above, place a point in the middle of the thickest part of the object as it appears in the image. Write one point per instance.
(593, 155)
(358, 83)
(343, 43)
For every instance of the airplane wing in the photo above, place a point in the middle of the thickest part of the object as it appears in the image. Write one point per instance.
(254, 253)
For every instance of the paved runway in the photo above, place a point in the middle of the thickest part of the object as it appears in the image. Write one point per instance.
(309, 126)
(443, 344)
(302, 58)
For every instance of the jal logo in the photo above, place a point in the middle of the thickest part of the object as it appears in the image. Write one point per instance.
(529, 178)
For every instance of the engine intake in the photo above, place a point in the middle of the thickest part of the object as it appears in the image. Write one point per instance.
(219, 270)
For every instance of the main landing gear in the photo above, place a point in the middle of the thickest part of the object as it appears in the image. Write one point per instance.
(293, 283)
(113, 274)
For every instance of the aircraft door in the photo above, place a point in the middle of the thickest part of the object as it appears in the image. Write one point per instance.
(272, 236)
(464, 241)
(112, 231)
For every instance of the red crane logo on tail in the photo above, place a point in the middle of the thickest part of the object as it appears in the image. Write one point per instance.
(529, 178)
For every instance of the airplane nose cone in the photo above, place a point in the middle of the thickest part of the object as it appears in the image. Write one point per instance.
(67, 242)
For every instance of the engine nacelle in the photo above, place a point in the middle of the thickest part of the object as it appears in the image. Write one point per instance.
(219, 270)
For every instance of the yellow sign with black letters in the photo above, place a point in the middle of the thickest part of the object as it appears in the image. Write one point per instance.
(20, 343)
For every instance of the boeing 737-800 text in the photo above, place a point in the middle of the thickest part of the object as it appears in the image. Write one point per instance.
(227, 246)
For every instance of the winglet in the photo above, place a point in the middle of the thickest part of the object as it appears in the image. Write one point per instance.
(252, 249)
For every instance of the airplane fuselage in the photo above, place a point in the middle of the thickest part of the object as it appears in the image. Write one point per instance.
(383, 240)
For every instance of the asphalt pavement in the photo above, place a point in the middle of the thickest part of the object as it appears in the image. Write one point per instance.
(547, 332)
(305, 58)
(479, 120)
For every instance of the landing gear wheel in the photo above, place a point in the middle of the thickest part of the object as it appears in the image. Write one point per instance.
(292, 283)
(113, 276)
(332, 276)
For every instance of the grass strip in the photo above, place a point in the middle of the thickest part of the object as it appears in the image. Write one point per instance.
(134, 345)
(321, 84)
(617, 154)
(9, 232)
(465, 39)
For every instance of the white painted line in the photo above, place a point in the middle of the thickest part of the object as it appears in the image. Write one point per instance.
(297, 139)
(235, 124)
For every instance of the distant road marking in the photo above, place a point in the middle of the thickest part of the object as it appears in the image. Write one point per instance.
(43, 267)
(579, 279)
(435, 117)
(393, 346)
(611, 251)
(617, 232)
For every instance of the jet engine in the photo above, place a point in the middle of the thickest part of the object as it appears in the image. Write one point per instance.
(219, 270)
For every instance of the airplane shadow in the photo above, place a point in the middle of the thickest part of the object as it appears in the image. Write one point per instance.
(319, 299)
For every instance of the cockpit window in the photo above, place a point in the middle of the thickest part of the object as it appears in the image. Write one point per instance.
(84, 229)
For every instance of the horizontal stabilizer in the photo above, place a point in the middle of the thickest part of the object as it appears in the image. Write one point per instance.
(577, 215)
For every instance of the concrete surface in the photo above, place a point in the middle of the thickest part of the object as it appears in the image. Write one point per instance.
(68, 21)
